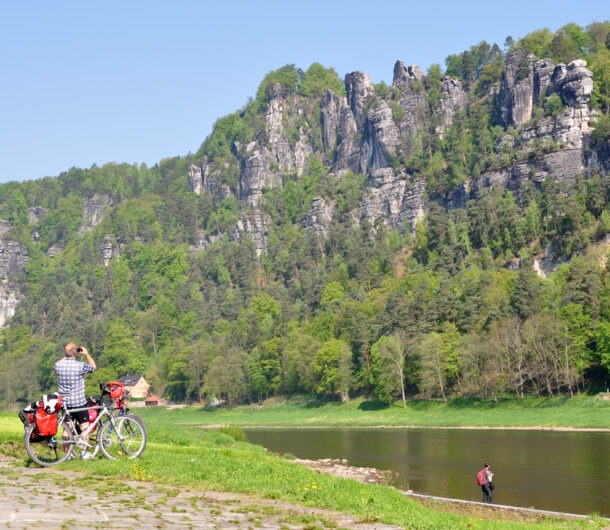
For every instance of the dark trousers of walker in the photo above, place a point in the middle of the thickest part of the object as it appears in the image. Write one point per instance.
(487, 493)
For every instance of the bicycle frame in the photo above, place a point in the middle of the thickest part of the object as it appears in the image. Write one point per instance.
(81, 438)
(115, 432)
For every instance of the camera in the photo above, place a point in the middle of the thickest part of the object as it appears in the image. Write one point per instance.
(79, 350)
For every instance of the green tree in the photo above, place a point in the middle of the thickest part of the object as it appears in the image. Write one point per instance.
(120, 349)
(227, 377)
(332, 366)
(317, 78)
(287, 77)
(433, 376)
(525, 298)
(388, 360)
(602, 341)
(16, 208)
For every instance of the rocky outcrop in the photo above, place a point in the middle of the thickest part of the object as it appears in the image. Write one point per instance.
(320, 216)
(526, 82)
(255, 226)
(13, 259)
(5, 226)
(340, 132)
(516, 98)
(289, 146)
(203, 180)
(94, 210)
(453, 98)
(574, 83)
(202, 241)
(36, 214)
(9, 300)
(371, 131)
(408, 80)
(380, 140)
(360, 93)
(108, 250)
(53, 250)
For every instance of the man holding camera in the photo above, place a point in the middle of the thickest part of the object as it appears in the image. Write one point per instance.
(71, 375)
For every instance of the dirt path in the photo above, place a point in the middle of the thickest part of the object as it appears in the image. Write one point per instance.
(56, 498)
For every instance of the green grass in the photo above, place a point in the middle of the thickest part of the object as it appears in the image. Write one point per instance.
(182, 455)
(579, 412)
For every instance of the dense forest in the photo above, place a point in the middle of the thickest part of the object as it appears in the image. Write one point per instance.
(451, 306)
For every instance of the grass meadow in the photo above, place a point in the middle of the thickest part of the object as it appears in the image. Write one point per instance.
(181, 454)
(582, 412)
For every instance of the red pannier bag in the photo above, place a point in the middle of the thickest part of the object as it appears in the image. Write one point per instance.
(116, 389)
(46, 422)
(93, 405)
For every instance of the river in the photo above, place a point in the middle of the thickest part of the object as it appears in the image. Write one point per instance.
(549, 470)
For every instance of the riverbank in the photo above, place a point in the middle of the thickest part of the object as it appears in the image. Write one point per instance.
(561, 414)
(478, 510)
(461, 427)
(186, 462)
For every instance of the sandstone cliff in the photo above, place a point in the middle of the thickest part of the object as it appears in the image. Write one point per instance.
(13, 259)
(371, 133)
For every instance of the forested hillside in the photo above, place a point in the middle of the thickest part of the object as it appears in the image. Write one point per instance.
(444, 236)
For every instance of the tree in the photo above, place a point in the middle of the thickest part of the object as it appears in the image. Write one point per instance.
(150, 323)
(525, 298)
(388, 360)
(317, 78)
(601, 81)
(16, 208)
(333, 292)
(332, 366)
(551, 365)
(227, 377)
(120, 349)
(265, 369)
(433, 376)
(602, 339)
(298, 352)
(198, 358)
(287, 77)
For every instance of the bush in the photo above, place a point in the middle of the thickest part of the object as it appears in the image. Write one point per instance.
(235, 432)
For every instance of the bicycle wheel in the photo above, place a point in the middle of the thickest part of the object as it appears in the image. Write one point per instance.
(49, 450)
(125, 438)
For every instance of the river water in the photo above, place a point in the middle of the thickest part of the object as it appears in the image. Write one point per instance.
(549, 470)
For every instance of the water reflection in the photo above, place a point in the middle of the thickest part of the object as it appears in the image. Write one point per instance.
(562, 471)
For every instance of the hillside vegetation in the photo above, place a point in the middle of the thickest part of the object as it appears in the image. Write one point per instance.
(231, 291)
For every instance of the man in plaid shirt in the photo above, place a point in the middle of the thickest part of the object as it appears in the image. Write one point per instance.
(71, 375)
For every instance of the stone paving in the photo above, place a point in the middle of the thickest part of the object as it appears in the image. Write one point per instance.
(56, 498)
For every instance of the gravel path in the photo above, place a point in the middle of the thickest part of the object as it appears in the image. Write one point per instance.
(57, 498)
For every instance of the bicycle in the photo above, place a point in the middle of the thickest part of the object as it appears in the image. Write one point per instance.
(116, 434)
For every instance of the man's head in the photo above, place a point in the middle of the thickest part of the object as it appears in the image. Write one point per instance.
(70, 349)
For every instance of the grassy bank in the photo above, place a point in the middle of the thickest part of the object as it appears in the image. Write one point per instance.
(580, 412)
(180, 455)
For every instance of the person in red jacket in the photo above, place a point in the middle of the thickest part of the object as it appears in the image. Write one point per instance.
(485, 479)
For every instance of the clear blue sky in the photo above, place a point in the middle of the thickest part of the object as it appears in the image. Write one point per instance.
(85, 83)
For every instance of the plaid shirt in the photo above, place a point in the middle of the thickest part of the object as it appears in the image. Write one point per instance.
(71, 375)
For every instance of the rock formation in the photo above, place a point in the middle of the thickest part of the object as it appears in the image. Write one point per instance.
(94, 210)
(13, 259)
(369, 132)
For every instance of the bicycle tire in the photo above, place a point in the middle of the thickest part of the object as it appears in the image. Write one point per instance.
(138, 419)
(126, 437)
(47, 451)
